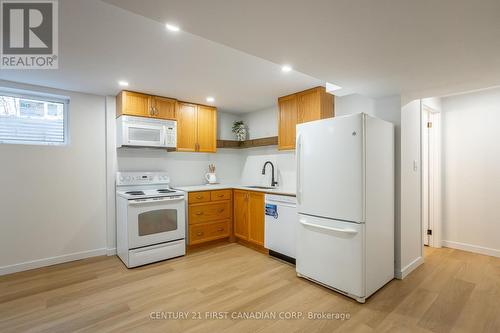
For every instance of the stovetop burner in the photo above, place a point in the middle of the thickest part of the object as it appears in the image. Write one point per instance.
(165, 190)
(135, 192)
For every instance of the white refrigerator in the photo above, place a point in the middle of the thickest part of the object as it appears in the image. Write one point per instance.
(345, 201)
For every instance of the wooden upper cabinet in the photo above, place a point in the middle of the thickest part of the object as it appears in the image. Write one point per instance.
(301, 107)
(256, 216)
(196, 128)
(308, 106)
(164, 108)
(133, 104)
(287, 121)
(187, 124)
(196, 124)
(207, 129)
(240, 214)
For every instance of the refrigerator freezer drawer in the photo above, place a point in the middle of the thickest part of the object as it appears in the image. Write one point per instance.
(332, 252)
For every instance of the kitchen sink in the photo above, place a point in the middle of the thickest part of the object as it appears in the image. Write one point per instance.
(262, 187)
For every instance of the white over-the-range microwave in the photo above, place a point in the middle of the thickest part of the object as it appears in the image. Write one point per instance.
(145, 132)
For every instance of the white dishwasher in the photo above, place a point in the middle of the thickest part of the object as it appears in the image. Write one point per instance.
(281, 226)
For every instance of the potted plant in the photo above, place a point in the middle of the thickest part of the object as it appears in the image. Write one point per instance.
(240, 130)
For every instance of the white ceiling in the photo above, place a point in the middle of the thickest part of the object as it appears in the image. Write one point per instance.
(375, 48)
(100, 44)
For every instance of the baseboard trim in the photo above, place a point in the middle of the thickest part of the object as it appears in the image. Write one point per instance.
(24, 266)
(111, 252)
(408, 268)
(471, 248)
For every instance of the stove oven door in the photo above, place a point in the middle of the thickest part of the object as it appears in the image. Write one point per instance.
(155, 220)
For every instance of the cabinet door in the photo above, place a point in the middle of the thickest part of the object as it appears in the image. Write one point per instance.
(186, 127)
(287, 121)
(309, 105)
(240, 215)
(164, 108)
(133, 104)
(256, 218)
(207, 129)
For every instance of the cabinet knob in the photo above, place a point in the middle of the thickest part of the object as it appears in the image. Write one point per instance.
(199, 213)
(199, 197)
(200, 233)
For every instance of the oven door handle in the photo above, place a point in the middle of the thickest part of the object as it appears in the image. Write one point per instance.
(146, 201)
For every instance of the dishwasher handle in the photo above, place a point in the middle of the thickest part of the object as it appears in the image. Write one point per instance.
(281, 203)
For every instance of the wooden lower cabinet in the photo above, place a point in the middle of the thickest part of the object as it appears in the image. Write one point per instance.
(206, 232)
(221, 214)
(256, 216)
(210, 216)
(249, 216)
(240, 214)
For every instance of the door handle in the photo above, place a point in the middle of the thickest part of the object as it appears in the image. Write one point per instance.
(298, 168)
(345, 231)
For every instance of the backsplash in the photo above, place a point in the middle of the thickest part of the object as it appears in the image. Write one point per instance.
(183, 168)
(284, 162)
(234, 166)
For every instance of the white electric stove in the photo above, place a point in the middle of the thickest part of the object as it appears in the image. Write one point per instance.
(150, 218)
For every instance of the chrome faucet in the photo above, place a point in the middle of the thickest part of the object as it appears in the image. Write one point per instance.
(273, 182)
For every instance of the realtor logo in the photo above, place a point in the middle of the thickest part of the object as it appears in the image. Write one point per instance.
(29, 34)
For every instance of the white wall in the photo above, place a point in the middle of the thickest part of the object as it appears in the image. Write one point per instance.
(471, 178)
(262, 123)
(225, 124)
(354, 103)
(53, 199)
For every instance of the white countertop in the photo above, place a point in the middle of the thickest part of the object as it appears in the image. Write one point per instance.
(210, 187)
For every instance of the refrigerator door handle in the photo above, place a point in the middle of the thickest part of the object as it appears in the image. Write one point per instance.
(346, 231)
(299, 171)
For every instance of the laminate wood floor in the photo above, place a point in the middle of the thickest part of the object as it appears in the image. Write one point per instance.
(454, 291)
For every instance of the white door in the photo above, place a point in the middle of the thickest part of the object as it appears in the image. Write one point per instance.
(330, 168)
(332, 253)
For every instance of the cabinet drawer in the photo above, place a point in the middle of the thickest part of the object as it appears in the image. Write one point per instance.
(208, 231)
(220, 195)
(195, 197)
(213, 211)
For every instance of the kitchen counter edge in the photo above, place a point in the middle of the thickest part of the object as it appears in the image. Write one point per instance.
(215, 187)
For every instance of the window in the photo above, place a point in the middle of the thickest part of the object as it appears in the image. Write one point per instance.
(32, 119)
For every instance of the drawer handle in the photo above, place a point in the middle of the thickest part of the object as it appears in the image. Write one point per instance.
(199, 213)
(220, 195)
(199, 197)
(221, 210)
(220, 229)
(200, 233)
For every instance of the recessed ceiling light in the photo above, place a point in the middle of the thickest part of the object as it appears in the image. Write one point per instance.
(123, 83)
(286, 68)
(210, 99)
(330, 87)
(172, 27)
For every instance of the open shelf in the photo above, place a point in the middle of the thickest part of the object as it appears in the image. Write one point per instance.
(269, 141)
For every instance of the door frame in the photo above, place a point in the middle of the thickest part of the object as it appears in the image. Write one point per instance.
(431, 166)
